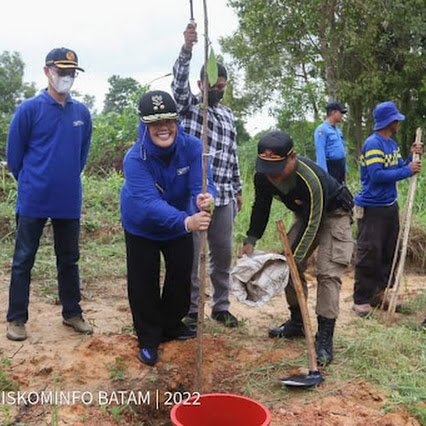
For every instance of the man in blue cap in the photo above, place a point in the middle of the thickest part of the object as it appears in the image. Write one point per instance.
(377, 208)
(330, 144)
(47, 148)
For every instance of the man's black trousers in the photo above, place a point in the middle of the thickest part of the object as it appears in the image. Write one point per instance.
(377, 238)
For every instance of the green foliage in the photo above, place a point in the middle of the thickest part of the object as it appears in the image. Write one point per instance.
(12, 88)
(4, 129)
(281, 61)
(243, 137)
(87, 100)
(392, 357)
(302, 133)
(310, 51)
(113, 134)
(12, 91)
(122, 93)
(116, 129)
(116, 369)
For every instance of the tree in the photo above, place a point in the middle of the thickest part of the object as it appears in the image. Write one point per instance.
(12, 91)
(120, 93)
(281, 60)
(88, 100)
(357, 52)
(12, 88)
(383, 59)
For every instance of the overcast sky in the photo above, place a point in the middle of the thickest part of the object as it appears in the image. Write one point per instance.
(139, 39)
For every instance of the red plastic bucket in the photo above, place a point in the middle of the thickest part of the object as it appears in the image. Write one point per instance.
(220, 409)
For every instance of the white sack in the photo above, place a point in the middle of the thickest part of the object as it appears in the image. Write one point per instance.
(257, 278)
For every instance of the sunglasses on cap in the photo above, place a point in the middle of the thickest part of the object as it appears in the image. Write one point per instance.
(269, 155)
(64, 72)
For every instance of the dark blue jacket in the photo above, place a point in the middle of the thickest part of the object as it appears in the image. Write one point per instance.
(47, 148)
(156, 198)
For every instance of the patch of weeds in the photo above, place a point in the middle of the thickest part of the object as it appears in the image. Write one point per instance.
(6, 362)
(116, 369)
(242, 321)
(258, 380)
(392, 357)
(128, 329)
(49, 291)
(84, 418)
(415, 304)
(119, 413)
(54, 414)
(5, 384)
(213, 327)
(5, 416)
(103, 261)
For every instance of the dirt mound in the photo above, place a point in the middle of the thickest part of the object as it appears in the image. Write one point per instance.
(105, 367)
(354, 404)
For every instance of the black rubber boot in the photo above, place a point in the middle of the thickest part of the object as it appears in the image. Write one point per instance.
(324, 340)
(291, 328)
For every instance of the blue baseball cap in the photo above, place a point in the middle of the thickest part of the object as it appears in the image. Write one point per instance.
(385, 113)
(336, 106)
(63, 58)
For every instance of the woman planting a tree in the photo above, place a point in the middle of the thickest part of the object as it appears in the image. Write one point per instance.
(161, 204)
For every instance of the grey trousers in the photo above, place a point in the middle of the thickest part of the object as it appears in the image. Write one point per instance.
(335, 247)
(219, 237)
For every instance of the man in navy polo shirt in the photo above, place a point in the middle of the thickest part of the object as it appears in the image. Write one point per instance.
(330, 144)
(47, 148)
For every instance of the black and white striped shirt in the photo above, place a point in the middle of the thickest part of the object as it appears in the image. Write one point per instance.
(222, 135)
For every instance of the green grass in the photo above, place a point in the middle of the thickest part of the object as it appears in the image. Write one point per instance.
(116, 370)
(5, 384)
(391, 358)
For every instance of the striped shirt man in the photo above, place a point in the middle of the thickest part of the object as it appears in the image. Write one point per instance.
(381, 167)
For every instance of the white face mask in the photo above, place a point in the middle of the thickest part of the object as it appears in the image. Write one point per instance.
(61, 84)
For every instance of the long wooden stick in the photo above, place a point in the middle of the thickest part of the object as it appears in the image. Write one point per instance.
(203, 245)
(294, 272)
(401, 264)
(387, 292)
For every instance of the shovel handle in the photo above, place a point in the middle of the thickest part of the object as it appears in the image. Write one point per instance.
(294, 272)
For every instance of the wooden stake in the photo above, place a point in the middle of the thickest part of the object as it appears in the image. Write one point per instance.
(401, 264)
(387, 292)
(203, 245)
(294, 272)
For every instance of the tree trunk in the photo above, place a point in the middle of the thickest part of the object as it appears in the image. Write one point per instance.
(311, 95)
(328, 45)
(356, 109)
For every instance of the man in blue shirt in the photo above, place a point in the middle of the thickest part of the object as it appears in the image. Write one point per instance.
(330, 144)
(377, 208)
(47, 148)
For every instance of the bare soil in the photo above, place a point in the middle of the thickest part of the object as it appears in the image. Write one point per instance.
(54, 358)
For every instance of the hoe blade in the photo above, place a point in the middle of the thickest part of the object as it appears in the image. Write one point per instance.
(313, 378)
